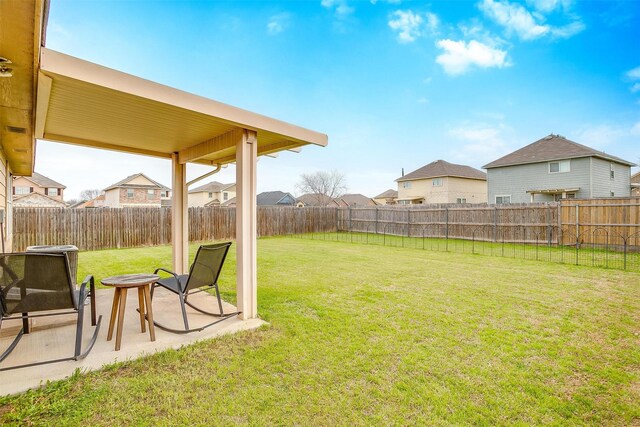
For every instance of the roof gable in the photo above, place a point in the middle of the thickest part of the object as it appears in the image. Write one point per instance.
(551, 147)
(43, 181)
(272, 198)
(441, 168)
(212, 187)
(137, 180)
(389, 194)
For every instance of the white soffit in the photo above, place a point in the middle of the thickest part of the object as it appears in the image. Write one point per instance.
(83, 103)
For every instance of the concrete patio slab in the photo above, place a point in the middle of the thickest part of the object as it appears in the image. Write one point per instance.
(54, 337)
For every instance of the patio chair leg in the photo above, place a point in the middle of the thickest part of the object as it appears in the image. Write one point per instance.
(219, 299)
(25, 323)
(184, 311)
(92, 294)
(79, 329)
(11, 346)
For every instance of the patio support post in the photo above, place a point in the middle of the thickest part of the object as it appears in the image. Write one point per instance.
(246, 225)
(179, 216)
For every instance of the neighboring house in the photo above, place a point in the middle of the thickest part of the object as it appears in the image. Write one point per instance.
(135, 191)
(212, 194)
(635, 185)
(316, 200)
(36, 183)
(37, 200)
(555, 168)
(442, 182)
(276, 198)
(389, 197)
(96, 202)
(354, 200)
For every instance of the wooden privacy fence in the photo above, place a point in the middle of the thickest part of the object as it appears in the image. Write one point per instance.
(612, 223)
(93, 229)
(602, 222)
(511, 223)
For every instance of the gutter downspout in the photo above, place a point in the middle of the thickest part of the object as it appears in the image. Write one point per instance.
(206, 175)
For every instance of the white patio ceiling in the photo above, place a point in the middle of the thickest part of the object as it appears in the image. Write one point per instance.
(79, 102)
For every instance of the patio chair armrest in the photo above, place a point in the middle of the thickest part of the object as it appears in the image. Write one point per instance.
(89, 280)
(167, 271)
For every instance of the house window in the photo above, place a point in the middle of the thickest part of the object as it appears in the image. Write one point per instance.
(403, 202)
(501, 200)
(571, 195)
(461, 200)
(437, 182)
(211, 195)
(225, 196)
(22, 190)
(613, 194)
(561, 166)
(612, 171)
(52, 191)
(130, 193)
(164, 194)
(406, 184)
(151, 194)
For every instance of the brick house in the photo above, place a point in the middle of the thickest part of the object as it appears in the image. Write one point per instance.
(136, 191)
(36, 183)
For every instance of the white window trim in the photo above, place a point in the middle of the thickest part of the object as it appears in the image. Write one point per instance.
(434, 180)
(133, 193)
(22, 190)
(559, 162)
(406, 184)
(503, 196)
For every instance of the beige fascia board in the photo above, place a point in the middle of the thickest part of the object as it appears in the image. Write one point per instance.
(42, 105)
(56, 63)
(206, 148)
(105, 146)
(262, 151)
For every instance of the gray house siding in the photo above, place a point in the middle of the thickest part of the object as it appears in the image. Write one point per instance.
(516, 180)
(603, 185)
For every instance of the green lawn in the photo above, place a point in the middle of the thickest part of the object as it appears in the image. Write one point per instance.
(370, 334)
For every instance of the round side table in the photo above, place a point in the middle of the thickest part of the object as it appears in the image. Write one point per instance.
(121, 284)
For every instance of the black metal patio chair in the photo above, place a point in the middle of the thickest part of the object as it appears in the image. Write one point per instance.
(203, 275)
(35, 284)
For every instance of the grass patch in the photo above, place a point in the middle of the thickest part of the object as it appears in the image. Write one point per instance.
(368, 334)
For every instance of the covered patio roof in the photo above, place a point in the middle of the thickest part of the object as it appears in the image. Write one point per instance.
(83, 103)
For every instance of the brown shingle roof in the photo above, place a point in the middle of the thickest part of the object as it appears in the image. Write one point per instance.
(355, 200)
(211, 187)
(123, 183)
(315, 199)
(389, 194)
(43, 181)
(551, 147)
(441, 168)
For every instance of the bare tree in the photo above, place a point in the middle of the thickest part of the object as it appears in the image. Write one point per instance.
(89, 194)
(323, 186)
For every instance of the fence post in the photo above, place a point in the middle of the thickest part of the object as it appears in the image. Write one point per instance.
(495, 224)
(446, 228)
(376, 222)
(409, 222)
(548, 226)
(577, 225)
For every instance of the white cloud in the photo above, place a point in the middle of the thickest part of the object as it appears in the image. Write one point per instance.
(549, 5)
(411, 25)
(423, 101)
(635, 130)
(433, 22)
(460, 56)
(635, 88)
(515, 18)
(634, 74)
(407, 24)
(568, 30)
(278, 23)
(340, 7)
(386, 1)
(482, 142)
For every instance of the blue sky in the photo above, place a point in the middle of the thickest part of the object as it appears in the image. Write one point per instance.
(395, 84)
